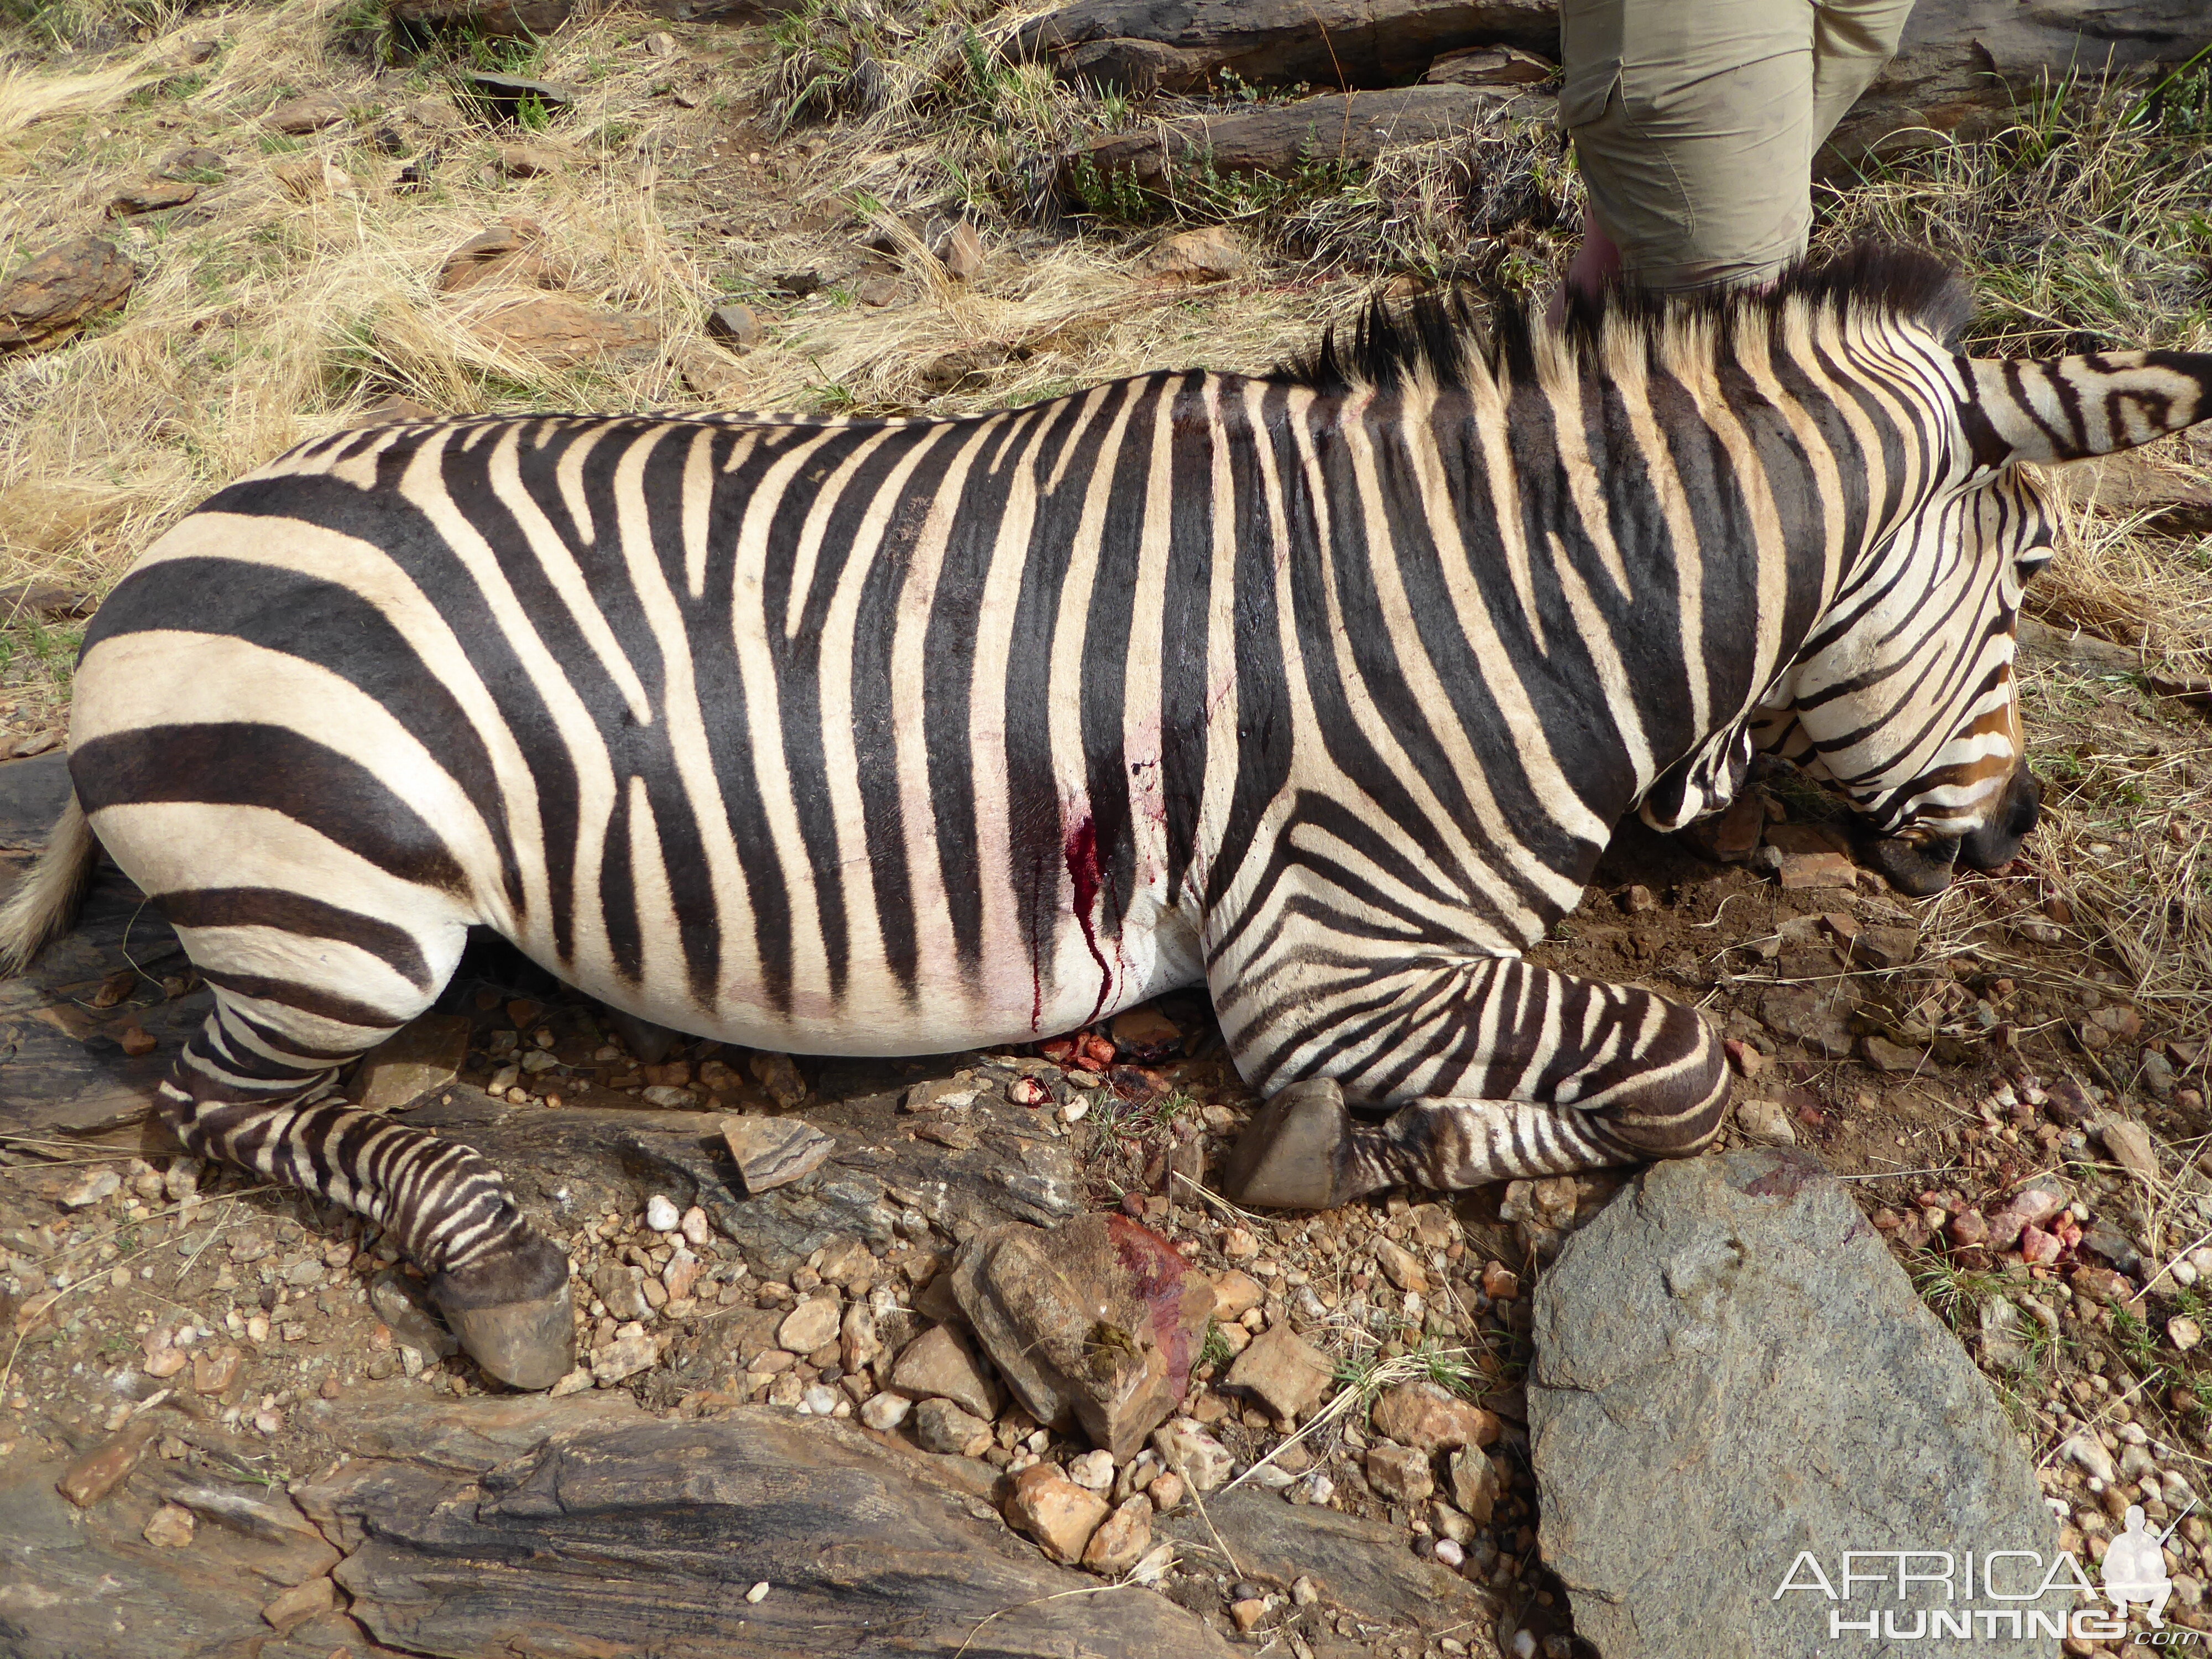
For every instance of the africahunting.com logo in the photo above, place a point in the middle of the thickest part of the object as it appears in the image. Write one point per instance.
(1998, 1596)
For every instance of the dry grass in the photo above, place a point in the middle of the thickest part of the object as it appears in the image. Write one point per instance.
(2118, 580)
(264, 319)
(2082, 225)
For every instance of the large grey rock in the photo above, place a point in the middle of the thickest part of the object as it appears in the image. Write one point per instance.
(1732, 1370)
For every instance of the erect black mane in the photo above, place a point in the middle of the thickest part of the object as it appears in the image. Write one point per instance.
(1440, 337)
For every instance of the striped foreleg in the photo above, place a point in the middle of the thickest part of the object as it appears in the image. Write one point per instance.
(249, 1088)
(1496, 1070)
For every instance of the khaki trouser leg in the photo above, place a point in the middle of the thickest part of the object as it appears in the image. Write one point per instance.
(1695, 124)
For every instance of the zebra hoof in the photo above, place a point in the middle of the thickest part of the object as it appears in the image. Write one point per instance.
(512, 1315)
(1295, 1153)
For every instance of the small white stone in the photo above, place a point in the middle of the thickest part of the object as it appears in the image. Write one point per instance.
(1076, 1110)
(698, 1229)
(1094, 1470)
(758, 1593)
(2085, 1453)
(1450, 1553)
(2184, 1332)
(661, 1214)
(1320, 1488)
(885, 1411)
(2183, 1273)
(100, 1184)
(820, 1401)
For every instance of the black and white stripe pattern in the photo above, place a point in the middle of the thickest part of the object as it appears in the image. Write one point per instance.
(1323, 688)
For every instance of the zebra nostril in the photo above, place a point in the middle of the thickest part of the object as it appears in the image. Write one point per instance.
(1992, 846)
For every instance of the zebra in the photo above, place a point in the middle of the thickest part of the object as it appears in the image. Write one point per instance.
(1321, 688)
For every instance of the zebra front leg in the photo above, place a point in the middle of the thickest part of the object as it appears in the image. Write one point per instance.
(245, 1089)
(1498, 1070)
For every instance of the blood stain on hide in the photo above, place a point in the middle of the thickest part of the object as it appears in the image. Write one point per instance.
(1083, 872)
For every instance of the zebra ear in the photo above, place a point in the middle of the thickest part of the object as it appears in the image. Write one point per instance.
(2061, 409)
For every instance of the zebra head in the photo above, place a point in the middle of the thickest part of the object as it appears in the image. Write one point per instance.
(1905, 695)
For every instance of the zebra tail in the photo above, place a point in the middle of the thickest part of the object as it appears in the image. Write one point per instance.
(45, 904)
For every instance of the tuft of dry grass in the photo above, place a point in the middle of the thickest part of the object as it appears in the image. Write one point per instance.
(2116, 578)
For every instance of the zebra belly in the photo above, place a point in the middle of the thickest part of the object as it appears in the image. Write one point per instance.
(1159, 950)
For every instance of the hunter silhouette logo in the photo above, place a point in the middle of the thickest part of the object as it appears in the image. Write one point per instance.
(2135, 1568)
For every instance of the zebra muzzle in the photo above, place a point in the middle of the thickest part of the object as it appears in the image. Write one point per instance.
(1917, 868)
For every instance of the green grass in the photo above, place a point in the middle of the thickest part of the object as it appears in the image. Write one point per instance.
(1369, 1375)
(38, 650)
(1214, 1351)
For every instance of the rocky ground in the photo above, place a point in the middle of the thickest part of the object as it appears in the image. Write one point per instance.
(226, 1417)
(2030, 1154)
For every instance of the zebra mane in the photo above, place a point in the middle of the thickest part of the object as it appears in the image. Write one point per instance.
(1441, 338)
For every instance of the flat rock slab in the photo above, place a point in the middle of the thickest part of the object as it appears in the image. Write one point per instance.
(78, 1583)
(1361, 1566)
(65, 1065)
(561, 1161)
(645, 1537)
(32, 795)
(1732, 1371)
(529, 1525)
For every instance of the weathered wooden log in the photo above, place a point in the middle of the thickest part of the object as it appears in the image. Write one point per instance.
(512, 17)
(1334, 128)
(1184, 45)
(1963, 66)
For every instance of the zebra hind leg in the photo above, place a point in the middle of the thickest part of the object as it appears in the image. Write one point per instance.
(250, 1087)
